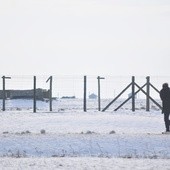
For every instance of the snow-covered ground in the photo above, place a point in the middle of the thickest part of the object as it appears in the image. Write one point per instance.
(83, 140)
(86, 163)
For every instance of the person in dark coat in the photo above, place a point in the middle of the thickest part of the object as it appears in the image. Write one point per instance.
(165, 97)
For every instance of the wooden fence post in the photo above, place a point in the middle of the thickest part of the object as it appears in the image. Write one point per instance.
(98, 93)
(34, 95)
(4, 95)
(51, 79)
(99, 104)
(133, 93)
(50, 92)
(85, 91)
(148, 93)
(3, 91)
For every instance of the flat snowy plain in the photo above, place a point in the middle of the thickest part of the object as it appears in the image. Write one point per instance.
(73, 139)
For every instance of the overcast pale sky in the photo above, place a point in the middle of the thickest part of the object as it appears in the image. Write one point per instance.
(85, 37)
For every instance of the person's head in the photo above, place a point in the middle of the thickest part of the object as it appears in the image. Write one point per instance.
(165, 85)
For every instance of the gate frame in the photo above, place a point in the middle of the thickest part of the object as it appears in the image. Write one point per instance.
(147, 93)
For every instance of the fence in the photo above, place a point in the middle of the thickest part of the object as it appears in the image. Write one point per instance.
(75, 93)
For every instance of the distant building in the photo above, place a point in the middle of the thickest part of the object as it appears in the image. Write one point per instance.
(25, 94)
(130, 95)
(92, 96)
(68, 97)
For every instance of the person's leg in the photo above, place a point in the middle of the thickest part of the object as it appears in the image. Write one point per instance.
(167, 121)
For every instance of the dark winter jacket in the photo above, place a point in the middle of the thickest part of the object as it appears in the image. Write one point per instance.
(165, 97)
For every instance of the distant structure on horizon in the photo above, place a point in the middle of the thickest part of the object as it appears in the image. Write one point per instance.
(68, 97)
(130, 95)
(25, 94)
(92, 96)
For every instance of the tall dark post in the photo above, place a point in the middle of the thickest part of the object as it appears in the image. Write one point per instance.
(85, 91)
(99, 104)
(133, 93)
(4, 94)
(50, 92)
(148, 93)
(34, 102)
(51, 79)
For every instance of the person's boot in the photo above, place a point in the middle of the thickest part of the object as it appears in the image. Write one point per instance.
(166, 132)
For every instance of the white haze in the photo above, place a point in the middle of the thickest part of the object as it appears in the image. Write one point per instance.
(96, 37)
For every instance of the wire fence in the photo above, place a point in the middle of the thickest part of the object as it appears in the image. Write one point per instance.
(68, 91)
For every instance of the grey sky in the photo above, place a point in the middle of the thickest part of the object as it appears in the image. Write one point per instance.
(93, 37)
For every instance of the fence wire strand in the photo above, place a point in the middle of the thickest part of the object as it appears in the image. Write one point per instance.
(68, 90)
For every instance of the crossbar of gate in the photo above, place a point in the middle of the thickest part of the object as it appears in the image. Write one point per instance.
(133, 84)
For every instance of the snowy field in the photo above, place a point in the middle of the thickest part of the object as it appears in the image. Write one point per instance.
(69, 139)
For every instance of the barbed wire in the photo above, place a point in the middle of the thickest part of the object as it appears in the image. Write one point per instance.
(73, 85)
